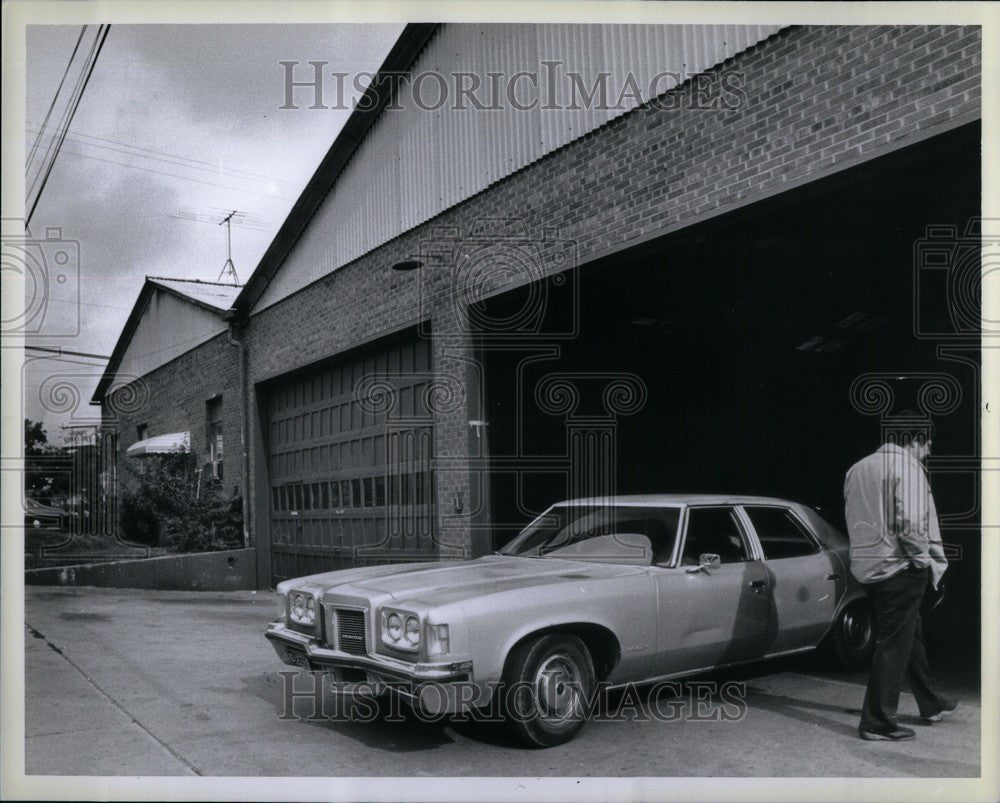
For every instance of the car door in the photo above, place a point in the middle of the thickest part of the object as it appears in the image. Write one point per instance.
(712, 616)
(805, 579)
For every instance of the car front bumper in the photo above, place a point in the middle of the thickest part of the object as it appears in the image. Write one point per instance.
(432, 686)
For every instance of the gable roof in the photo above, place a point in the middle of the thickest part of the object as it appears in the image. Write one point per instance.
(214, 297)
(368, 108)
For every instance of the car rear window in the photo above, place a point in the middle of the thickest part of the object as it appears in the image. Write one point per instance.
(780, 532)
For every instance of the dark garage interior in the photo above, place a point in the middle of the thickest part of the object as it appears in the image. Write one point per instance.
(748, 331)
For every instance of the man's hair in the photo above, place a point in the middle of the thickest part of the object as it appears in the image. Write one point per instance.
(906, 427)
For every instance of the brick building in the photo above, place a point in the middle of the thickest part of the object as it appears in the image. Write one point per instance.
(698, 278)
(173, 379)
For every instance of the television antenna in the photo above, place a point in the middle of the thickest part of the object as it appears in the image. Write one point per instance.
(229, 269)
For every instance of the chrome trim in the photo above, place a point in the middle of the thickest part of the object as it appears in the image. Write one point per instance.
(756, 548)
(383, 633)
(679, 536)
(710, 668)
(333, 632)
(414, 672)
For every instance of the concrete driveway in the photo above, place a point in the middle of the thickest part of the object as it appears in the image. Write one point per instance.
(181, 683)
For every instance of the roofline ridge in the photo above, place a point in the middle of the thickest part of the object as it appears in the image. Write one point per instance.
(194, 281)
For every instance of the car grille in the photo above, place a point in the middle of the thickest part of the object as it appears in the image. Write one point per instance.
(351, 631)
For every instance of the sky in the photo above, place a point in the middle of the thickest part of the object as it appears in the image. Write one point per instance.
(179, 124)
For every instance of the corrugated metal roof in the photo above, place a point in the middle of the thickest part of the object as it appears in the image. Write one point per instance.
(416, 161)
(220, 296)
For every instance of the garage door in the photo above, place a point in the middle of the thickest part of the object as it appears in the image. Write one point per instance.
(349, 461)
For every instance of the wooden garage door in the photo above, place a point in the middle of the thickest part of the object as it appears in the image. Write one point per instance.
(349, 461)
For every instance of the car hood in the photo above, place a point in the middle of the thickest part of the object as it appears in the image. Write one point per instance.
(437, 584)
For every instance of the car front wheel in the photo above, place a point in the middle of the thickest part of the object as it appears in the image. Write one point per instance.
(549, 684)
(852, 639)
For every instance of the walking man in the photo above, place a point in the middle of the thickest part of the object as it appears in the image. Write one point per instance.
(895, 551)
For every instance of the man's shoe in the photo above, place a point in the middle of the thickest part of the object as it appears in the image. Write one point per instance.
(948, 710)
(897, 734)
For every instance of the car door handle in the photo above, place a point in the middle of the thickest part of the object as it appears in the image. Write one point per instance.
(758, 583)
(833, 576)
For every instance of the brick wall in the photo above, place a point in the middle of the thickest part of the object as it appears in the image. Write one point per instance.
(818, 99)
(172, 399)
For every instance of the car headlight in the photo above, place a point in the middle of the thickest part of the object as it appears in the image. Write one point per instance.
(303, 608)
(282, 602)
(401, 630)
(412, 632)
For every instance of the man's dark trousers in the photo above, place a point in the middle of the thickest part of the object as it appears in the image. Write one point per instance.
(899, 651)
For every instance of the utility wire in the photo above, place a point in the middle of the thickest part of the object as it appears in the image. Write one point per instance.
(68, 351)
(74, 103)
(55, 97)
(177, 176)
(158, 155)
(51, 149)
(102, 36)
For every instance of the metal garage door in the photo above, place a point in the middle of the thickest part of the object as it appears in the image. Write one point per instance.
(350, 467)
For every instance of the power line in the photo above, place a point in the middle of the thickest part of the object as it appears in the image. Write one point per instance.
(181, 161)
(176, 175)
(51, 149)
(61, 351)
(55, 97)
(102, 35)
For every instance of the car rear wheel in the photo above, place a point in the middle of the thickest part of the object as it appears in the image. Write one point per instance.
(852, 639)
(549, 683)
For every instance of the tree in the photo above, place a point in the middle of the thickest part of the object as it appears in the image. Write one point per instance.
(35, 438)
(46, 467)
(164, 505)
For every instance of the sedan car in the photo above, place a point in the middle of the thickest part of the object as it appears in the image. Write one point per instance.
(41, 516)
(620, 590)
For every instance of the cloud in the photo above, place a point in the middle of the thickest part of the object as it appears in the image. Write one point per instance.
(178, 121)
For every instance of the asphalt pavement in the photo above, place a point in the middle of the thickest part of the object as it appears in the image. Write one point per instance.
(129, 683)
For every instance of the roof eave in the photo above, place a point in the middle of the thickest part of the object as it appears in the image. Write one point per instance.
(399, 60)
(132, 322)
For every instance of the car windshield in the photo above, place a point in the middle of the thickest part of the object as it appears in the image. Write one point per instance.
(610, 533)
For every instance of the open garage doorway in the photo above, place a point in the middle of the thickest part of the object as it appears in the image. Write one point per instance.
(737, 342)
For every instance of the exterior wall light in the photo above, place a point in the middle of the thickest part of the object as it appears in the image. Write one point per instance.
(407, 264)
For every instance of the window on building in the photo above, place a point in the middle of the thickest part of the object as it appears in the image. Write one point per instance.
(213, 427)
(142, 432)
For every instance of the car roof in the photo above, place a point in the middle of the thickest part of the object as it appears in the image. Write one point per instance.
(681, 499)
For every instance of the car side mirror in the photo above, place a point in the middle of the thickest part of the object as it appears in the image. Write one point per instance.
(706, 561)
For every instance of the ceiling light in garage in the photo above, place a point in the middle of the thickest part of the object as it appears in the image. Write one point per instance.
(861, 322)
(810, 344)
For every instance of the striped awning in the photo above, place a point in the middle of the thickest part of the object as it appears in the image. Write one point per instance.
(161, 444)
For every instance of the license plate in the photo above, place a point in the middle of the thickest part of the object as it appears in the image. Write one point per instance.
(296, 657)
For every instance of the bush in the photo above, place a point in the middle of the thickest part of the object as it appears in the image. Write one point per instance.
(165, 506)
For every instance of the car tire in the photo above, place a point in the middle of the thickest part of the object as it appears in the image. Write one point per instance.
(548, 686)
(851, 641)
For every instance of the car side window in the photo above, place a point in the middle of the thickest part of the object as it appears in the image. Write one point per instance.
(713, 530)
(781, 534)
